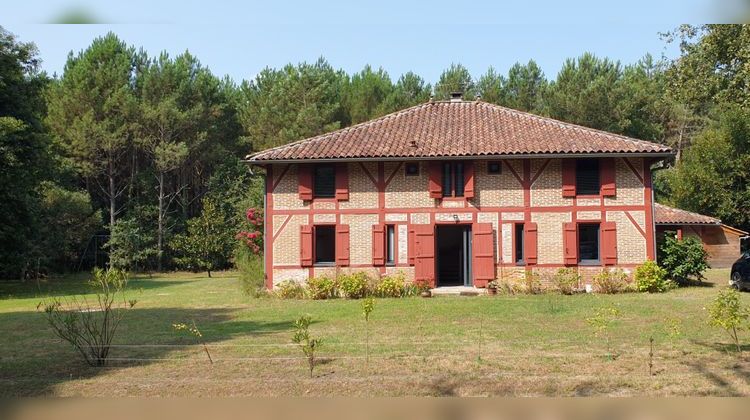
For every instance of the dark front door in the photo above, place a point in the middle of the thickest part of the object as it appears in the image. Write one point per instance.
(453, 244)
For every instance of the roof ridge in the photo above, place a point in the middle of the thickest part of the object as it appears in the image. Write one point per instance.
(339, 130)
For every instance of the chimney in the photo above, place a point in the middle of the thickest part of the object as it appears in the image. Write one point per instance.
(457, 96)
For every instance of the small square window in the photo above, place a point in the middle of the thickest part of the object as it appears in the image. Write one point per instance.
(325, 245)
(412, 169)
(494, 168)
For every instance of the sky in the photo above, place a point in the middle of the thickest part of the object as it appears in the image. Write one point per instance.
(240, 38)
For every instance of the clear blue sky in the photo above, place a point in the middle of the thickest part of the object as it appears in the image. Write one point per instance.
(240, 38)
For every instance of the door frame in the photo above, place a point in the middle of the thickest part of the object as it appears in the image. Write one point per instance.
(468, 251)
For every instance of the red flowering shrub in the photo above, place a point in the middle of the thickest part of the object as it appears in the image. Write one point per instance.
(252, 236)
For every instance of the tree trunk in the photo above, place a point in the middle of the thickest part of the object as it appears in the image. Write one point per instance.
(112, 196)
(160, 229)
(209, 273)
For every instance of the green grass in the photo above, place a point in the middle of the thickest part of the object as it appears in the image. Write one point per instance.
(528, 345)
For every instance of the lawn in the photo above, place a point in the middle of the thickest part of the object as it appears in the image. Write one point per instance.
(506, 345)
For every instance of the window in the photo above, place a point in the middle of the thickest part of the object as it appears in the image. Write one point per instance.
(325, 245)
(519, 243)
(494, 168)
(390, 244)
(324, 182)
(412, 169)
(587, 177)
(588, 243)
(453, 179)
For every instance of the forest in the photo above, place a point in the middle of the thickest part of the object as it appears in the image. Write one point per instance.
(136, 160)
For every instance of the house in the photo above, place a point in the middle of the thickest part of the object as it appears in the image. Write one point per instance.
(722, 242)
(458, 193)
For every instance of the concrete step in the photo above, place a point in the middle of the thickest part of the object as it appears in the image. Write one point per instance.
(457, 291)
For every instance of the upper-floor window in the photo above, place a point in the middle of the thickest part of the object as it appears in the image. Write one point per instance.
(324, 181)
(453, 179)
(587, 177)
(411, 169)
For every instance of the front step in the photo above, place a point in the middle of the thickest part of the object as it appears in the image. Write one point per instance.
(457, 291)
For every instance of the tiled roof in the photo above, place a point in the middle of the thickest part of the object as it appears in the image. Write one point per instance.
(665, 215)
(458, 129)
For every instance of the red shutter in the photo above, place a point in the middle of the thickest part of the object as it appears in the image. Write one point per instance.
(306, 245)
(411, 245)
(342, 245)
(483, 249)
(436, 180)
(378, 244)
(570, 243)
(305, 178)
(609, 243)
(568, 177)
(608, 172)
(424, 253)
(469, 179)
(530, 242)
(342, 181)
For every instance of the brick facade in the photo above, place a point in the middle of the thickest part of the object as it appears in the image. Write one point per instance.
(525, 190)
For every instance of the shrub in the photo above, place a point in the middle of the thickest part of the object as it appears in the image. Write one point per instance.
(391, 286)
(683, 259)
(290, 289)
(566, 280)
(505, 287)
(651, 278)
(354, 285)
(532, 283)
(90, 329)
(321, 287)
(611, 281)
(727, 312)
(252, 277)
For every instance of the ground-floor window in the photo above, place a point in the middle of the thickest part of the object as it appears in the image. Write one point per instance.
(588, 243)
(390, 245)
(519, 242)
(325, 244)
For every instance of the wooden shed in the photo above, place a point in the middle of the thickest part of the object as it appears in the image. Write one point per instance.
(723, 243)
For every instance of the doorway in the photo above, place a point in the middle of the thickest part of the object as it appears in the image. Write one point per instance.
(453, 244)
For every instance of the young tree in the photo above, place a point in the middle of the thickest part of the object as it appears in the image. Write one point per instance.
(208, 242)
(456, 78)
(91, 114)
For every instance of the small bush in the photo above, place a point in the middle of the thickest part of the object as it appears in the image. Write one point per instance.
(566, 280)
(683, 260)
(611, 281)
(504, 287)
(728, 313)
(252, 278)
(354, 285)
(391, 286)
(651, 278)
(532, 283)
(290, 289)
(321, 287)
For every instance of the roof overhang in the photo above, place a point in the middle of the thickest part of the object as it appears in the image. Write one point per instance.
(655, 155)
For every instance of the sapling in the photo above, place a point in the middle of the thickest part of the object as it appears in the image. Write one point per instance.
(194, 331)
(308, 344)
(727, 312)
(602, 320)
(368, 304)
